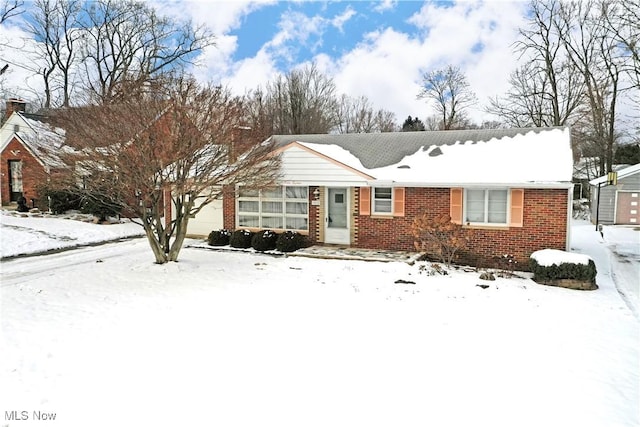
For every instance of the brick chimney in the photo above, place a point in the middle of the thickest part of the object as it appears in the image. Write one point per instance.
(14, 104)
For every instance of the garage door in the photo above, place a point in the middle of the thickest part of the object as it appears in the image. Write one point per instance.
(627, 208)
(207, 220)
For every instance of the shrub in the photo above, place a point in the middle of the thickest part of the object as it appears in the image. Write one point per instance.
(507, 264)
(219, 237)
(241, 239)
(264, 240)
(290, 241)
(563, 270)
(101, 206)
(61, 201)
(438, 237)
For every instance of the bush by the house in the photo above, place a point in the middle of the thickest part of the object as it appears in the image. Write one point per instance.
(219, 237)
(290, 241)
(506, 264)
(101, 206)
(439, 238)
(559, 269)
(61, 201)
(264, 240)
(241, 239)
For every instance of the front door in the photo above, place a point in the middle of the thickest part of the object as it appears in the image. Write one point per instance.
(15, 180)
(337, 218)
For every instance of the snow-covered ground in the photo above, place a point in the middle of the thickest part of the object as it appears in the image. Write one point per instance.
(28, 233)
(102, 336)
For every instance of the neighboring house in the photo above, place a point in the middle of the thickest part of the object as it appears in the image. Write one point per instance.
(511, 188)
(30, 151)
(617, 204)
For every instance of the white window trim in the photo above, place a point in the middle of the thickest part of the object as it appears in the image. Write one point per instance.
(260, 199)
(373, 202)
(486, 207)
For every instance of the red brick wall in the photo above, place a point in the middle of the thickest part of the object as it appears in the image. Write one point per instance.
(33, 173)
(314, 218)
(229, 208)
(545, 224)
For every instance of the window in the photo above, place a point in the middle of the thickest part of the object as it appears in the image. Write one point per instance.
(283, 208)
(486, 206)
(382, 201)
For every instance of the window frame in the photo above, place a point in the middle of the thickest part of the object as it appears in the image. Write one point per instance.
(374, 199)
(485, 212)
(267, 196)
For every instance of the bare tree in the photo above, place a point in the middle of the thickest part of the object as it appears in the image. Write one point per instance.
(53, 25)
(172, 146)
(591, 49)
(9, 9)
(302, 101)
(547, 89)
(449, 89)
(127, 44)
(622, 19)
(357, 115)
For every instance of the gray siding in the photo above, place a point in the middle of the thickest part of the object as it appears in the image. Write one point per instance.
(608, 198)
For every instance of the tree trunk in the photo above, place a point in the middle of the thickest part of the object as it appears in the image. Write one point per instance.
(156, 246)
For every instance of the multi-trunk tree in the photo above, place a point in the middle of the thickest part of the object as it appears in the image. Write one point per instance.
(161, 156)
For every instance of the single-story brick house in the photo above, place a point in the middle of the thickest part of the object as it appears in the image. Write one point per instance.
(30, 151)
(618, 203)
(510, 187)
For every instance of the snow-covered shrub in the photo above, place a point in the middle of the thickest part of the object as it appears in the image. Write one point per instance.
(219, 237)
(550, 265)
(241, 239)
(264, 240)
(290, 241)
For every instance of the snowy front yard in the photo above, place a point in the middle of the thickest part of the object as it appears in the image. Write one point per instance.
(101, 336)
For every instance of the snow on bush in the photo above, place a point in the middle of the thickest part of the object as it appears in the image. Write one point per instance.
(550, 265)
(548, 257)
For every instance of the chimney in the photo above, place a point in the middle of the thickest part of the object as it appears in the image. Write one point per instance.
(14, 104)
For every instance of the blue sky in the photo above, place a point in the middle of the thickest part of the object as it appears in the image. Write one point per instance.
(376, 49)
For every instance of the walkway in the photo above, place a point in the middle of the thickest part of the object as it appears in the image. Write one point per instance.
(340, 252)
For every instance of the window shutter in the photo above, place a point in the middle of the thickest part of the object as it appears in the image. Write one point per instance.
(398, 201)
(455, 205)
(365, 200)
(517, 207)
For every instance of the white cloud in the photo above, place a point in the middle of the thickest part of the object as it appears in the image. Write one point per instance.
(251, 72)
(219, 16)
(385, 5)
(388, 65)
(16, 50)
(339, 20)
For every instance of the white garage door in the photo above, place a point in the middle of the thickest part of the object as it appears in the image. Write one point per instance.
(207, 220)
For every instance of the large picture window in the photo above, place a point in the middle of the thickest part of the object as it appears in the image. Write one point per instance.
(281, 208)
(486, 206)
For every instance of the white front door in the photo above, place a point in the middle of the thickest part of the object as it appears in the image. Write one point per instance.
(336, 217)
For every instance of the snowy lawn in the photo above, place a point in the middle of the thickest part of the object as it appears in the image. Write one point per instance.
(28, 233)
(101, 336)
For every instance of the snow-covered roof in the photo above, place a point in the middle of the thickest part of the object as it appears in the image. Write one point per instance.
(630, 170)
(488, 156)
(46, 142)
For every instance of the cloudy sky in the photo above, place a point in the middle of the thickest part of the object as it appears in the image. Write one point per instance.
(378, 49)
